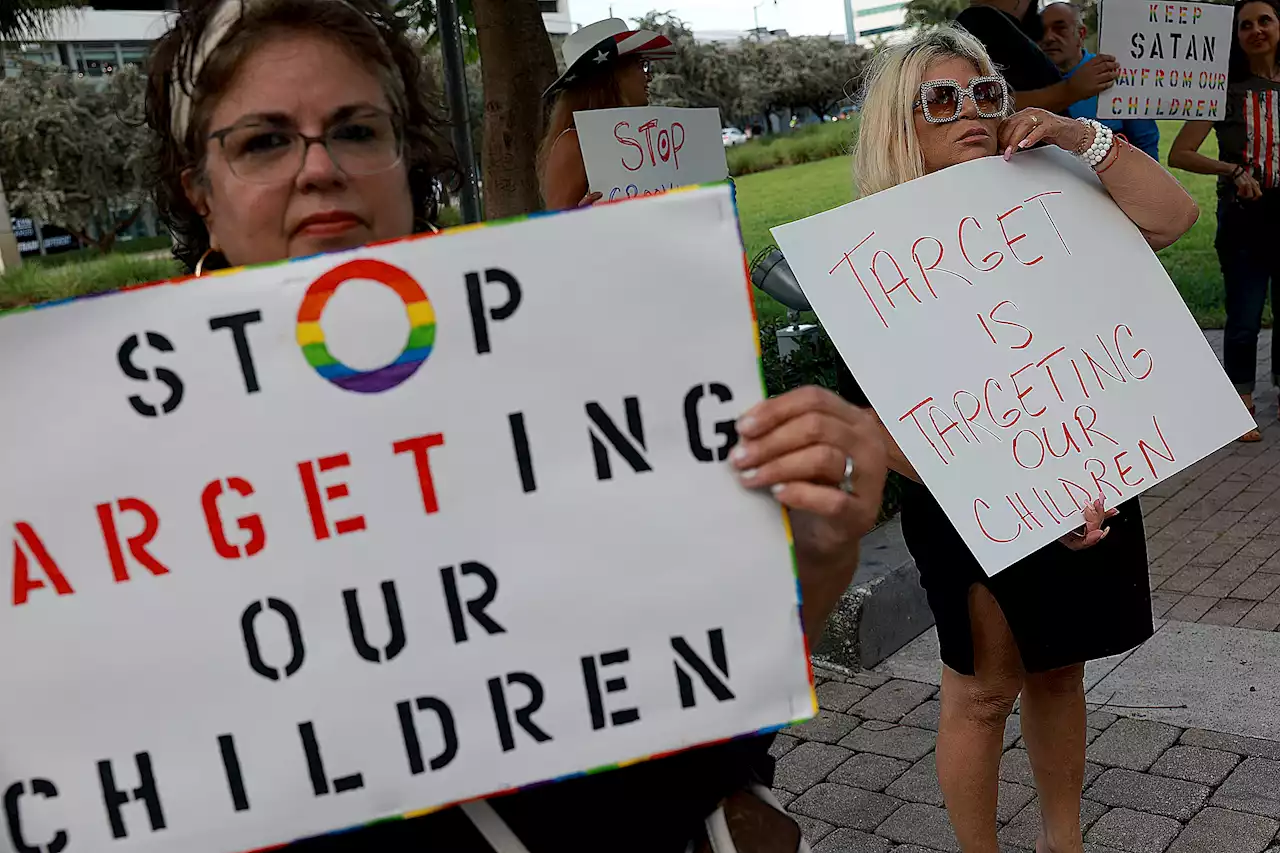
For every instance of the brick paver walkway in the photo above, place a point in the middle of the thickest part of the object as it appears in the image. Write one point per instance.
(861, 778)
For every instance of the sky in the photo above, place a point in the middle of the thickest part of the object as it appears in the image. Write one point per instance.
(799, 17)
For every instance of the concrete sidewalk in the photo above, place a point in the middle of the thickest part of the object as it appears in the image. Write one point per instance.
(1184, 732)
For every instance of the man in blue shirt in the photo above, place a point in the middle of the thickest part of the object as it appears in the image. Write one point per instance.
(1063, 42)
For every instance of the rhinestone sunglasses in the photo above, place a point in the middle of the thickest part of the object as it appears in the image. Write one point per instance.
(943, 100)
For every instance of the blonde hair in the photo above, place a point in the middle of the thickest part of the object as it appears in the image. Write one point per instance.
(888, 151)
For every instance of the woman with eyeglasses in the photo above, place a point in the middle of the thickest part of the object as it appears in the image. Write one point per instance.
(1029, 629)
(608, 65)
(285, 128)
(1248, 170)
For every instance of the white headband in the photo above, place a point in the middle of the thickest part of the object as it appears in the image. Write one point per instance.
(192, 61)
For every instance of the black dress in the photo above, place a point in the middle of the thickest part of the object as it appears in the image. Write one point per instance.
(1023, 64)
(1063, 607)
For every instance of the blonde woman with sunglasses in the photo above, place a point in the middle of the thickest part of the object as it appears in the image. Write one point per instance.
(930, 104)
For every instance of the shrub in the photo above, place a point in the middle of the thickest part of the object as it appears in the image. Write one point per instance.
(814, 362)
(803, 145)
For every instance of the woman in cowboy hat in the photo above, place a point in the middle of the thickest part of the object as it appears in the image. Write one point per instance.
(607, 66)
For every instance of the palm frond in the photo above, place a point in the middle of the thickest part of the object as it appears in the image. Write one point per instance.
(30, 18)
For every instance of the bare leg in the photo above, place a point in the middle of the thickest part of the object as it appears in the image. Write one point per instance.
(971, 731)
(1053, 726)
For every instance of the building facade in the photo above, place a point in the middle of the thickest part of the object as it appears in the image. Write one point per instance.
(878, 20)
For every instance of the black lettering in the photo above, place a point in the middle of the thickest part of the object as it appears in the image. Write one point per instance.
(236, 323)
(41, 788)
(523, 716)
(479, 323)
(595, 701)
(475, 606)
(714, 683)
(524, 458)
(125, 358)
(632, 453)
(355, 622)
(315, 766)
(413, 746)
(727, 429)
(146, 792)
(247, 621)
(1137, 42)
(1210, 45)
(235, 779)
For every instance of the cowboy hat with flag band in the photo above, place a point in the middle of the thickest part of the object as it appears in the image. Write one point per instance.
(599, 45)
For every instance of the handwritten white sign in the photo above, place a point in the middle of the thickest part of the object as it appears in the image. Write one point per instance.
(1019, 339)
(1173, 59)
(639, 151)
(304, 546)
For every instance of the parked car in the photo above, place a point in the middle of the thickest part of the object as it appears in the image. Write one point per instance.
(732, 136)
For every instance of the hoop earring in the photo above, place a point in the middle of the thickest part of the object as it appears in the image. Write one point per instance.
(200, 263)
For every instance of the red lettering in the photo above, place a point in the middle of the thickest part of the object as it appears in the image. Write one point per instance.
(1098, 479)
(1069, 442)
(951, 424)
(1041, 498)
(1040, 197)
(1068, 485)
(137, 544)
(1018, 459)
(1012, 324)
(1044, 362)
(420, 447)
(848, 259)
(647, 130)
(971, 419)
(924, 271)
(1022, 393)
(627, 140)
(978, 517)
(1088, 430)
(912, 414)
(1150, 362)
(1009, 242)
(986, 398)
(676, 146)
(1144, 447)
(1118, 376)
(960, 238)
(1049, 495)
(250, 524)
(1025, 515)
(23, 583)
(902, 279)
(315, 505)
(1080, 378)
(1123, 469)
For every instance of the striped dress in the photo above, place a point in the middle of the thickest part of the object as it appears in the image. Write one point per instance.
(1249, 135)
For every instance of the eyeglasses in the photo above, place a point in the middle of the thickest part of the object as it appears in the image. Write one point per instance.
(943, 100)
(365, 143)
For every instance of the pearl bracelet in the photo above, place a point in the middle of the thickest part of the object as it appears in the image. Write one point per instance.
(1097, 151)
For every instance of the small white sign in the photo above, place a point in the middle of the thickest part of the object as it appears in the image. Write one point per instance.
(299, 547)
(1173, 59)
(639, 151)
(1020, 340)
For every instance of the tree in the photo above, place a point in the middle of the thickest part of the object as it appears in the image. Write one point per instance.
(816, 72)
(700, 75)
(73, 152)
(517, 65)
(422, 14)
(930, 13)
(20, 18)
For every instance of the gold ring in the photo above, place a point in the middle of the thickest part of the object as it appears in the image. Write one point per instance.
(1035, 120)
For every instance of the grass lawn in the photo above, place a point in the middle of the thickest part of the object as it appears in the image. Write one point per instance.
(782, 195)
(37, 282)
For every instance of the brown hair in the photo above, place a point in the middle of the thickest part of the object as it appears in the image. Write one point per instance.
(597, 92)
(368, 28)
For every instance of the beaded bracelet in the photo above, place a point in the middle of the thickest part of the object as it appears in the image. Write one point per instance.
(1098, 149)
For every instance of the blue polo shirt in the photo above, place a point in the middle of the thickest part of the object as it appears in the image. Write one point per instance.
(1141, 132)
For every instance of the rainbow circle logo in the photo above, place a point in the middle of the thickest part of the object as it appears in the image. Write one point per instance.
(422, 327)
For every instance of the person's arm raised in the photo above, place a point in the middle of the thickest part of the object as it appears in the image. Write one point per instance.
(1090, 79)
(1142, 188)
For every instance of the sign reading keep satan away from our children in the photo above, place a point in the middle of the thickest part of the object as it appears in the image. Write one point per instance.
(304, 546)
(638, 151)
(1173, 59)
(1021, 342)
